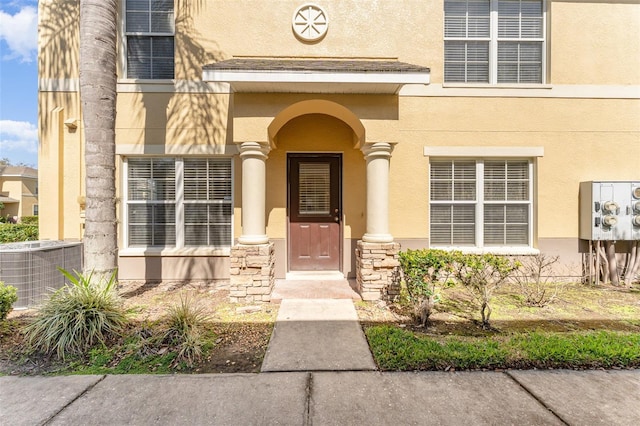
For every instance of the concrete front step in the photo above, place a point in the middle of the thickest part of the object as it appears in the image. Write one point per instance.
(313, 289)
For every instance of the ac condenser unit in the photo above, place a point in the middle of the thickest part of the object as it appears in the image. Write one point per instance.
(610, 210)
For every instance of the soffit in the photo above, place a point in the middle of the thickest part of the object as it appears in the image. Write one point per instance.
(315, 76)
(8, 200)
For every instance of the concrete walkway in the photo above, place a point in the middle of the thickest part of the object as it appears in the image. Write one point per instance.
(314, 289)
(317, 335)
(327, 398)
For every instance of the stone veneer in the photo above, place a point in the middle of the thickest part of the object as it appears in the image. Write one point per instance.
(252, 273)
(377, 269)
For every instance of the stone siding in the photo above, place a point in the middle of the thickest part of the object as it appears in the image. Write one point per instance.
(252, 273)
(377, 270)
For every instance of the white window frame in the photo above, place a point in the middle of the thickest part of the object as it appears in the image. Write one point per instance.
(479, 204)
(127, 34)
(180, 248)
(493, 40)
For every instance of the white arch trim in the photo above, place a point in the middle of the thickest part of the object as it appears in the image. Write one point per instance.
(317, 106)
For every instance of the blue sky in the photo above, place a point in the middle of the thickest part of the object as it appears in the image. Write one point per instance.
(18, 81)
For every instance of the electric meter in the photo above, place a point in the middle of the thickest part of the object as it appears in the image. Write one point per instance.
(610, 210)
(609, 220)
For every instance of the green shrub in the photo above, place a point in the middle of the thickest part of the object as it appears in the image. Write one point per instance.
(185, 330)
(423, 271)
(77, 316)
(482, 274)
(8, 296)
(29, 220)
(13, 233)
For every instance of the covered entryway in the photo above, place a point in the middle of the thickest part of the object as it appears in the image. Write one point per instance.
(314, 182)
(314, 206)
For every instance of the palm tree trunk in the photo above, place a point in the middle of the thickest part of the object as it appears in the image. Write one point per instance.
(98, 38)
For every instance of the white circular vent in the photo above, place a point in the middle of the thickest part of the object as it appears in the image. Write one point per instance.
(310, 22)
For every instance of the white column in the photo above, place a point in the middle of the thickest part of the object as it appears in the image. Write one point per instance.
(253, 155)
(377, 156)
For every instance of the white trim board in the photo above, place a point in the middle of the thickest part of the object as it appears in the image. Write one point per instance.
(577, 91)
(483, 151)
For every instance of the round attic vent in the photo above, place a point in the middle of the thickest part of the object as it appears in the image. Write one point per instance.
(310, 22)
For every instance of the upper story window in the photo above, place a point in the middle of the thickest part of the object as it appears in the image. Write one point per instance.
(494, 41)
(149, 31)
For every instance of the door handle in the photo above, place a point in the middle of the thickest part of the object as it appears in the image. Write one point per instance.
(336, 218)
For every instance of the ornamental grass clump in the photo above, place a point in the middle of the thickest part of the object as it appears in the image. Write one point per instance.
(76, 317)
(186, 330)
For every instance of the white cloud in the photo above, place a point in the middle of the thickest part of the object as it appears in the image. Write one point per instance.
(20, 32)
(18, 136)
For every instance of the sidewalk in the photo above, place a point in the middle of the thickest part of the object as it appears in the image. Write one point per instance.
(327, 398)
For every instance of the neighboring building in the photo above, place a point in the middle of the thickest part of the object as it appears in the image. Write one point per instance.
(18, 191)
(261, 138)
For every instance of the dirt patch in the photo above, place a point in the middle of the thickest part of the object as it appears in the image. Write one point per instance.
(241, 332)
(577, 307)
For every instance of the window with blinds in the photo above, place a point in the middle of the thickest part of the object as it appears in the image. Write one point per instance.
(480, 203)
(314, 189)
(149, 28)
(176, 202)
(494, 41)
(151, 202)
(207, 202)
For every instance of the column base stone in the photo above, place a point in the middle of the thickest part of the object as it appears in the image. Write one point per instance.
(378, 270)
(252, 276)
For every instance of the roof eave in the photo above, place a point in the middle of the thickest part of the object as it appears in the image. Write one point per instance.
(313, 82)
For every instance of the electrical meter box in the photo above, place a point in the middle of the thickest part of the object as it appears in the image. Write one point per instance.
(610, 210)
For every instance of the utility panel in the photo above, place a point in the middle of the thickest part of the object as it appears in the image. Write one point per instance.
(610, 210)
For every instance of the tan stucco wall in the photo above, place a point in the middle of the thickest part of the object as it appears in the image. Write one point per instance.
(590, 42)
(22, 189)
(583, 139)
(580, 119)
(58, 39)
(594, 42)
(173, 119)
(61, 166)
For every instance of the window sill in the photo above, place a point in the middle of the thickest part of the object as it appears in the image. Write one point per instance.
(146, 81)
(496, 86)
(173, 252)
(502, 251)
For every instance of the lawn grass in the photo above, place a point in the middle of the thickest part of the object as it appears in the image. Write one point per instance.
(398, 349)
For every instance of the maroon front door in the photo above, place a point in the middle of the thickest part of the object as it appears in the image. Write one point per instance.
(315, 211)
